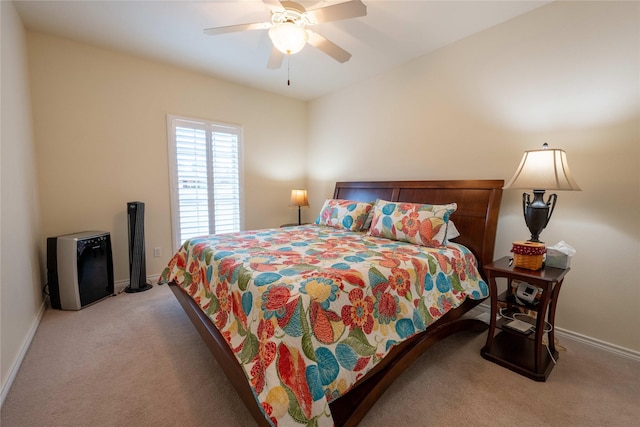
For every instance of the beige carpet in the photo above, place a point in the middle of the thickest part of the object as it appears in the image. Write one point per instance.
(136, 360)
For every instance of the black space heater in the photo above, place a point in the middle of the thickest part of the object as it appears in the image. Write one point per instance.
(137, 264)
(79, 269)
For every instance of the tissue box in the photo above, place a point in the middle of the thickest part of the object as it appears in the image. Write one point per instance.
(557, 259)
(559, 255)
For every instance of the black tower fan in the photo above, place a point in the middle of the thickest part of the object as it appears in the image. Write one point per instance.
(137, 264)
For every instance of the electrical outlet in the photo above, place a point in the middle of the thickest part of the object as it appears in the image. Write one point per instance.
(157, 252)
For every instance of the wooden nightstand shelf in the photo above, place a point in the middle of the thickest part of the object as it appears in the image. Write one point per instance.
(521, 353)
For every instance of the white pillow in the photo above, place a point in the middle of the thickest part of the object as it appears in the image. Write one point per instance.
(452, 231)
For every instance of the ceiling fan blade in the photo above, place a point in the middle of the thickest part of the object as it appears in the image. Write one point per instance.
(293, 6)
(328, 47)
(235, 28)
(275, 59)
(336, 12)
(272, 3)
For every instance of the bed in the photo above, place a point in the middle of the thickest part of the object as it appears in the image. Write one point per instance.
(311, 324)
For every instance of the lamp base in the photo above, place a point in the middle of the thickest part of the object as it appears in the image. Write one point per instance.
(537, 213)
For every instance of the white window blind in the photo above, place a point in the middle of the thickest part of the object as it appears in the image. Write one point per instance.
(205, 174)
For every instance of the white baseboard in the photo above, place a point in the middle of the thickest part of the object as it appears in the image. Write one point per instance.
(603, 345)
(620, 351)
(23, 351)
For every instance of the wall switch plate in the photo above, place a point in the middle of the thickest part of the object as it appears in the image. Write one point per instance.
(157, 252)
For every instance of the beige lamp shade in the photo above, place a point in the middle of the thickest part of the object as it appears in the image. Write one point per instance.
(545, 169)
(299, 198)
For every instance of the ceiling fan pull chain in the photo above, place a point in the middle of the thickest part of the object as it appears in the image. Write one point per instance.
(288, 71)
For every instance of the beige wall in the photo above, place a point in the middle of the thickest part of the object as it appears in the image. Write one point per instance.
(21, 300)
(100, 129)
(567, 74)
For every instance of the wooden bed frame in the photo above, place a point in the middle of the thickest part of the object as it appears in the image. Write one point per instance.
(476, 218)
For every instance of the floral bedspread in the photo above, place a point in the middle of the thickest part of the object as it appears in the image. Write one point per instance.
(309, 310)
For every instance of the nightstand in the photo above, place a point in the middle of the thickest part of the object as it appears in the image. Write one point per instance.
(520, 352)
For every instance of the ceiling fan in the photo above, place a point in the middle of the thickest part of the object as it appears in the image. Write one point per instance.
(289, 33)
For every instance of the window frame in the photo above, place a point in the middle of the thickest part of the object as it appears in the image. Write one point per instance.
(208, 126)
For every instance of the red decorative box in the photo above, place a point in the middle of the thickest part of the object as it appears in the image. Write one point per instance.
(528, 255)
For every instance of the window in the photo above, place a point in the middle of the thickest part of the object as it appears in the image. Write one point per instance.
(204, 168)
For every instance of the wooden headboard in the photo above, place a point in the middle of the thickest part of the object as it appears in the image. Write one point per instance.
(478, 205)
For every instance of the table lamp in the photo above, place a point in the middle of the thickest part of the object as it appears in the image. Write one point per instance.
(299, 199)
(541, 170)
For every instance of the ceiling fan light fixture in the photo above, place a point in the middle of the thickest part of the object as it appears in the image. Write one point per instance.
(288, 37)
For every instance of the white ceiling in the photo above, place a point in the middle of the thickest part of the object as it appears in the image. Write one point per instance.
(392, 32)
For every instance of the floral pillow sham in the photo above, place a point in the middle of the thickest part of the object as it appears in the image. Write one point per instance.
(421, 224)
(345, 214)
